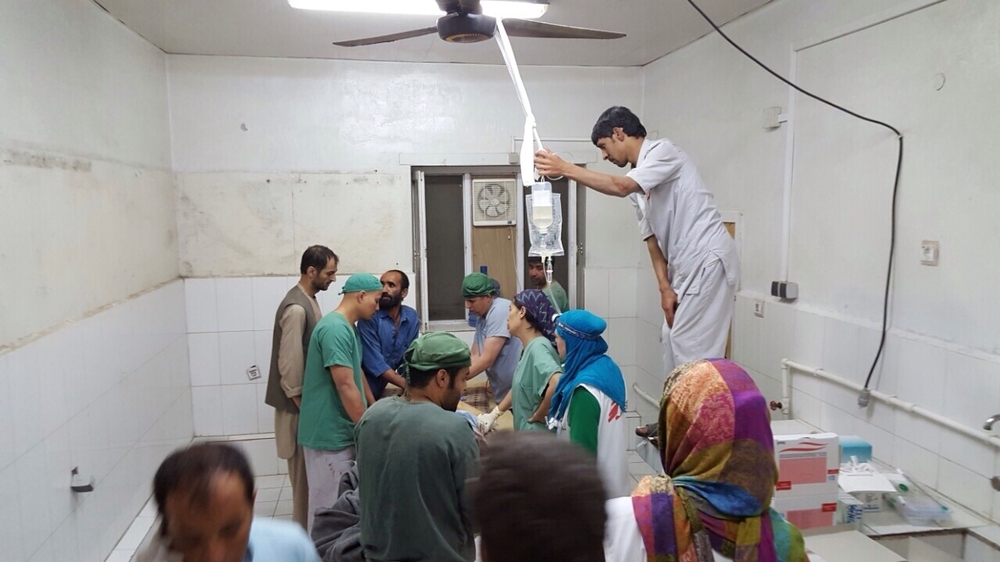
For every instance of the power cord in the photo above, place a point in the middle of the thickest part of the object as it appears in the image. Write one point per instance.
(863, 399)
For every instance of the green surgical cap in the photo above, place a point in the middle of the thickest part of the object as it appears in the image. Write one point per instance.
(437, 350)
(477, 285)
(361, 282)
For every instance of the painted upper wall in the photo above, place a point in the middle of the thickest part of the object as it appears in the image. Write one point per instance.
(272, 155)
(87, 217)
(709, 99)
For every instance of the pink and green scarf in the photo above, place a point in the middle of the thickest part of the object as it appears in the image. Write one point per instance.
(718, 454)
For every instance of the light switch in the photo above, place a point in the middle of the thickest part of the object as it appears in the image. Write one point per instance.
(929, 252)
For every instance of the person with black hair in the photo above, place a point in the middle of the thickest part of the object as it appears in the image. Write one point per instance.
(414, 456)
(539, 499)
(204, 497)
(297, 316)
(694, 258)
(387, 335)
(530, 320)
(553, 290)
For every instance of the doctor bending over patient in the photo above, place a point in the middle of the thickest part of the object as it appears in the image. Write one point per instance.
(699, 276)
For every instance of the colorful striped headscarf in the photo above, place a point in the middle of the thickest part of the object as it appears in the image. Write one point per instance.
(718, 454)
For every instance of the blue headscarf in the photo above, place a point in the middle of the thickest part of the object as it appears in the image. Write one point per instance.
(586, 361)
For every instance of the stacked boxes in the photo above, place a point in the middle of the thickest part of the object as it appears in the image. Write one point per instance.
(808, 466)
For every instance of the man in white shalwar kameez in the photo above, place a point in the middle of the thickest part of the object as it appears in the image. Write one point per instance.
(694, 257)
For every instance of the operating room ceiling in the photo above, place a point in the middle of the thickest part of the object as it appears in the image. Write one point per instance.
(271, 28)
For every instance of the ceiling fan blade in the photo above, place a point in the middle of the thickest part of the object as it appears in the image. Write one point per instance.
(386, 38)
(530, 28)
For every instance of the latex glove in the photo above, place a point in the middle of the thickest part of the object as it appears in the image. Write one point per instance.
(488, 421)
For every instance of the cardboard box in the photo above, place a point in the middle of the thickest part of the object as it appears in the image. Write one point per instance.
(808, 465)
(872, 502)
(807, 512)
(850, 510)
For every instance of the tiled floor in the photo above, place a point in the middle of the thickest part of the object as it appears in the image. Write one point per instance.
(637, 467)
(274, 497)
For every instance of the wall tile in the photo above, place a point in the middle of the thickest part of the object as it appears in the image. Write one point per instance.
(840, 349)
(921, 374)
(262, 351)
(597, 292)
(265, 413)
(236, 354)
(915, 460)
(965, 487)
(234, 301)
(648, 298)
(268, 293)
(972, 392)
(622, 340)
(807, 408)
(64, 541)
(35, 506)
(649, 349)
(206, 403)
(6, 415)
(622, 299)
(26, 386)
(200, 305)
(746, 334)
(883, 442)
(239, 409)
(204, 363)
(10, 515)
(969, 453)
(777, 337)
(808, 339)
(918, 430)
(836, 420)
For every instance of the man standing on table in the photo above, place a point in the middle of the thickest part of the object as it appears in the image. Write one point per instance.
(702, 269)
(335, 392)
(386, 336)
(493, 350)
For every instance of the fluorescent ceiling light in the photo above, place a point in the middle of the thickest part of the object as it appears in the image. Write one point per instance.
(496, 8)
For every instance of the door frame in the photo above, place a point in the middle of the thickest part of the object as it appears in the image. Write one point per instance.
(574, 222)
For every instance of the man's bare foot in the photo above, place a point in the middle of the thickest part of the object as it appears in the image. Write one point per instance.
(649, 431)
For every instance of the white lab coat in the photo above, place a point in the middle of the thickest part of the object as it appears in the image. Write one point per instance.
(622, 540)
(703, 264)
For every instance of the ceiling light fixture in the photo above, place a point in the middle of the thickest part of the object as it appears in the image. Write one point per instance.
(496, 8)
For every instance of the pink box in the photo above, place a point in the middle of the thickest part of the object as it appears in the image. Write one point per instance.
(808, 465)
(807, 512)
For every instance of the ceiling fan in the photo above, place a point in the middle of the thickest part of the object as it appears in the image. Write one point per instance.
(464, 22)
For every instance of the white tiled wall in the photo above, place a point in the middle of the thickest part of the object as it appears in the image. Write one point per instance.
(108, 394)
(961, 384)
(229, 330)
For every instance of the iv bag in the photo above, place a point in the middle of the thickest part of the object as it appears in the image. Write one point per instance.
(545, 225)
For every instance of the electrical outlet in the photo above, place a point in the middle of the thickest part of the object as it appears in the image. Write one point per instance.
(758, 308)
(253, 373)
(929, 252)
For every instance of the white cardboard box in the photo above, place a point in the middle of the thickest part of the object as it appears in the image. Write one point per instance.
(807, 512)
(808, 465)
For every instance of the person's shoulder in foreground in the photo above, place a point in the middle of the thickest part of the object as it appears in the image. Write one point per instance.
(275, 540)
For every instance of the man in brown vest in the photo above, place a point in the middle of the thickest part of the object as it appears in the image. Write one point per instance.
(297, 315)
